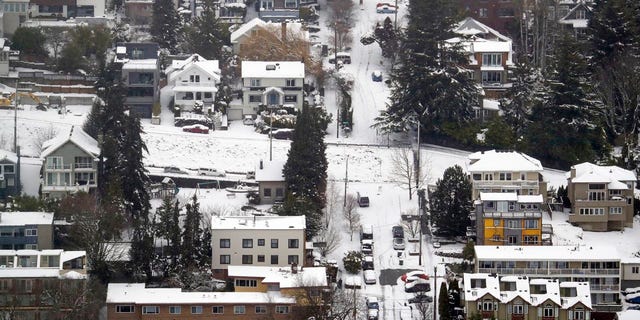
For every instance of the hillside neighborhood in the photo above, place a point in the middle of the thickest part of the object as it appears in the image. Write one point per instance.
(319, 159)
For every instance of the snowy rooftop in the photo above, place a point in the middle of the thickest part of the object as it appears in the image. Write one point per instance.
(478, 285)
(258, 222)
(542, 290)
(271, 170)
(77, 136)
(15, 270)
(589, 172)
(305, 277)
(177, 67)
(281, 69)
(514, 286)
(4, 154)
(25, 218)
(583, 294)
(547, 253)
(137, 293)
(493, 160)
(295, 27)
(498, 196)
(471, 26)
(140, 64)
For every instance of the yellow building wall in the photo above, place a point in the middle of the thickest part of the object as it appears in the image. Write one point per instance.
(261, 287)
(490, 230)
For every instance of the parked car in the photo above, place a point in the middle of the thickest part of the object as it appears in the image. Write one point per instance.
(211, 172)
(367, 262)
(195, 128)
(381, 4)
(414, 276)
(363, 201)
(372, 314)
(366, 247)
(630, 291)
(343, 57)
(398, 232)
(372, 303)
(248, 120)
(386, 9)
(376, 76)
(417, 286)
(421, 298)
(436, 244)
(633, 298)
(369, 277)
(175, 170)
(282, 134)
(398, 244)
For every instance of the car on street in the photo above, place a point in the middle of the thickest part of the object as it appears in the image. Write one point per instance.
(398, 232)
(421, 298)
(417, 286)
(369, 277)
(376, 76)
(372, 314)
(282, 134)
(211, 172)
(436, 244)
(386, 9)
(414, 276)
(367, 262)
(174, 170)
(196, 128)
(366, 247)
(372, 303)
(398, 244)
(363, 201)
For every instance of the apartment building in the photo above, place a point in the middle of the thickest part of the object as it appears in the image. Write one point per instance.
(70, 163)
(522, 298)
(26, 230)
(600, 267)
(9, 174)
(41, 284)
(276, 241)
(509, 193)
(278, 10)
(129, 301)
(601, 197)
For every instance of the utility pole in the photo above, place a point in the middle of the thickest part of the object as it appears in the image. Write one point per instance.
(418, 160)
(15, 119)
(270, 136)
(335, 61)
(346, 180)
(435, 292)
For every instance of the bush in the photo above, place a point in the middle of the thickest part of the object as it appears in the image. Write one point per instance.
(352, 261)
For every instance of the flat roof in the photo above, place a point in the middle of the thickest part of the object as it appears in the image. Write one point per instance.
(258, 222)
(25, 218)
(547, 253)
(305, 277)
(281, 69)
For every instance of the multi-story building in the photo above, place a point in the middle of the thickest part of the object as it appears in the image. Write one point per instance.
(193, 79)
(574, 15)
(14, 13)
(231, 11)
(522, 298)
(601, 197)
(270, 84)
(129, 301)
(138, 12)
(9, 174)
(271, 184)
(278, 10)
(67, 8)
(41, 284)
(498, 14)
(141, 72)
(26, 230)
(598, 266)
(70, 163)
(276, 241)
(509, 194)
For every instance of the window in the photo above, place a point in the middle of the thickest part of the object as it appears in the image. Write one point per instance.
(261, 258)
(615, 210)
(292, 259)
(255, 98)
(225, 259)
(578, 314)
(267, 192)
(591, 211)
(290, 3)
(274, 259)
(293, 243)
(5, 285)
(194, 78)
(635, 269)
(261, 309)
(247, 259)
(488, 176)
(596, 186)
(274, 243)
(486, 305)
(505, 176)
(279, 192)
(9, 168)
(31, 232)
(492, 59)
(225, 243)
(495, 238)
(54, 162)
(150, 310)
(175, 310)
(477, 176)
(503, 206)
(83, 162)
(246, 283)
(125, 308)
(217, 309)
(260, 242)
(196, 310)
(547, 311)
(247, 243)
(513, 224)
(492, 77)
(518, 309)
(291, 82)
(581, 14)
(530, 239)
(282, 309)
(255, 83)
(483, 12)
(238, 309)
(505, 12)
(290, 98)
(531, 224)
(596, 195)
(208, 95)
(512, 240)
(496, 222)
(83, 178)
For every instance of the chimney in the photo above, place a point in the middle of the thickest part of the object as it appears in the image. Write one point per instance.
(283, 29)
(261, 165)
(294, 268)
(573, 172)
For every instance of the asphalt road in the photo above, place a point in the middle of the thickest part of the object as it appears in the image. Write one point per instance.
(390, 276)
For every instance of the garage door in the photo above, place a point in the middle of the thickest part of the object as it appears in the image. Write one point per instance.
(234, 114)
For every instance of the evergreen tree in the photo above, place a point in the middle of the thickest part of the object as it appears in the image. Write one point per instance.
(206, 35)
(387, 38)
(613, 28)
(135, 179)
(519, 98)
(451, 202)
(499, 134)
(168, 227)
(29, 41)
(430, 81)
(443, 303)
(191, 241)
(165, 25)
(142, 251)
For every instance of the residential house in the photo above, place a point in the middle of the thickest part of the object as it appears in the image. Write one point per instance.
(283, 30)
(9, 175)
(256, 241)
(41, 284)
(508, 193)
(598, 266)
(70, 164)
(522, 298)
(498, 14)
(271, 183)
(14, 13)
(601, 197)
(279, 10)
(5, 52)
(126, 51)
(67, 8)
(231, 11)
(26, 230)
(129, 301)
(141, 72)
(193, 79)
(270, 84)
(630, 273)
(577, 18)
(138, 12)
(490, 55)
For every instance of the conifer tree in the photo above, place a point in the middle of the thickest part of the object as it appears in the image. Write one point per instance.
(443, 303)
(142, 251)
(165, 25)
(451, 202)
(168, 227)
(191, 234)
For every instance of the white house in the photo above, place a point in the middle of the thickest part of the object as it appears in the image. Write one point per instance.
(271, 182)
(193, 79)
(270, 84)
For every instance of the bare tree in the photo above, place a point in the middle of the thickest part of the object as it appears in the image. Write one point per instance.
(403, 170)
(425, 310)
(351, 215)
(329, 240)
(43, 135)
(341, 21)
(333, 199)
(412, 226)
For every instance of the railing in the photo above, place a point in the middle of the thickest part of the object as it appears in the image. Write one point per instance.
(83, 166)
(512, 214)
(497, 183)
(59, 167)
(604, 287)
(546, 271)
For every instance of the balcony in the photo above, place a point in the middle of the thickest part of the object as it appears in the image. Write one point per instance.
(83, 166)
(482, 184)
(554, 272)
(520, 215)
(605, 287)
(52, 167)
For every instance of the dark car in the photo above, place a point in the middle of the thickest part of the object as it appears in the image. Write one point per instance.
(363, 201)
(417, 286)
(367, 262)
(421, 298)
(398, 232)
(283, 134)
(376, 76)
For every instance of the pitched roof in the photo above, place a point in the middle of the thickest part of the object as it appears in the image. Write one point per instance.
(4, 154)
(489, 285)
(177, 67)
(245, 28)
(589, 172)
(472, 27)
(583, 294)
(305, 277)
(271, 170)
(295, 27)
(493, 160)
(76, 136)
(551, 291)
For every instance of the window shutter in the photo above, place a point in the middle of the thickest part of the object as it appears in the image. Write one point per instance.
(509, 309)
(539, 312)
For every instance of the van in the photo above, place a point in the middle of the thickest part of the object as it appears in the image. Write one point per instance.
(343, 57)
(366, 232)
(363, 201)
(211, 172)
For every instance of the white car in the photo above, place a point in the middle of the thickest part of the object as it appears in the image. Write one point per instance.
(436, 244)
(211, 172)
(369, 277)
(248, 120)
(398, 244)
